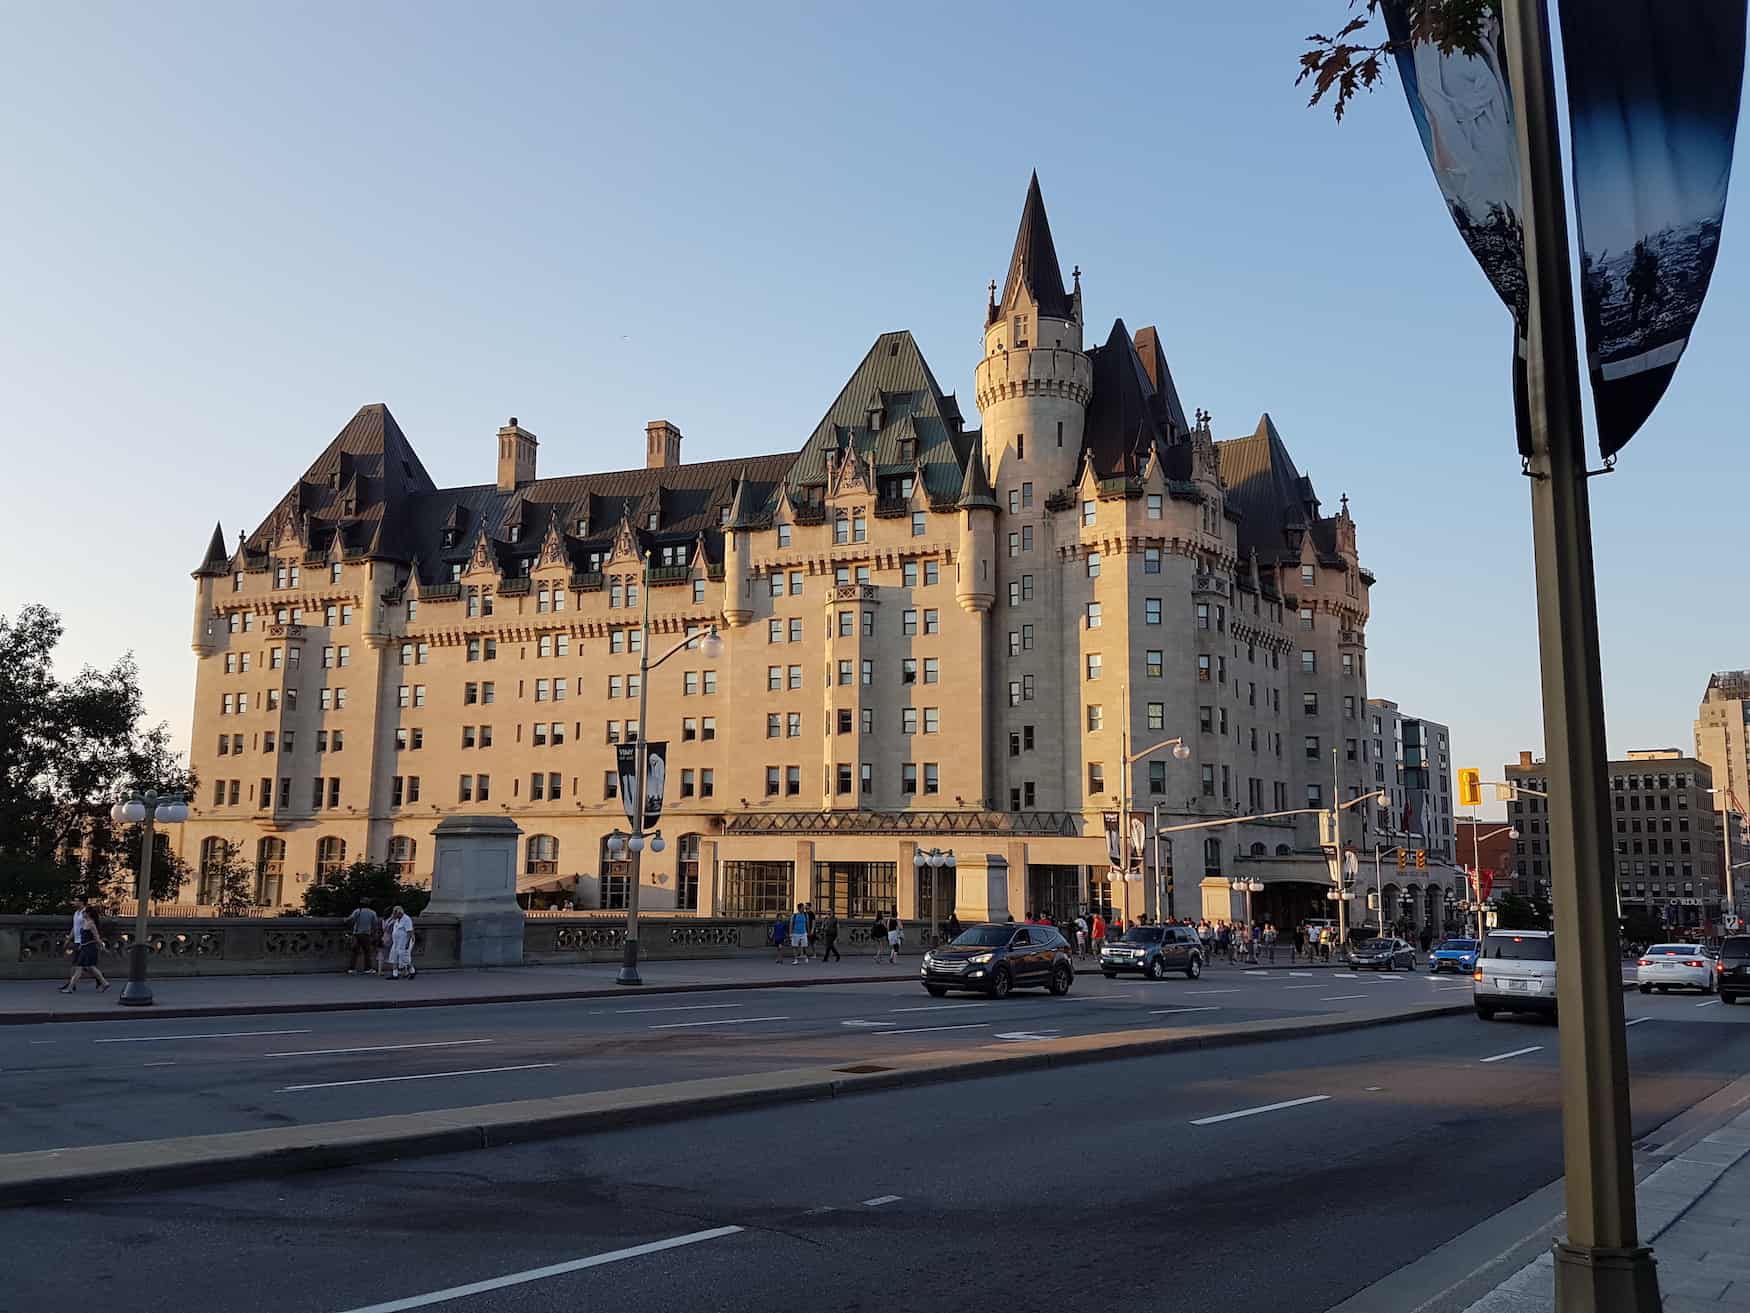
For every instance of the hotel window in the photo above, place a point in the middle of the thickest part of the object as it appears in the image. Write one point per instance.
(792, 781)
(1306, 617)
(908, 720)
(1027, 493)
(793, 725)
(1096, 777)
(774, 724)
(1096, 717)
(1309, 704)
(1204, 669)
(908, 778)
(1154, 663)
(1151, 610)
(1312, 748)
(841, 574)
(1308, 575)
(772, 781)
(1093, 565)
(1094, 666)
(708, 729)
(867, 715)
(784, 533)
(908, 622)
(795, 583)
(1093, 615)
(932, 720)
(932, 670)
(1151, 560)
(686, 784)
(932, 778)
(1153, 503)
(1309, 662)
(775, 584)
(841, 528)
(1203, 615)
(1089, 510)
(1348, 663)
(908, 670)
(1157, 778)
(1208, 781)
(796, 630)
(774, 631)
(845, 673)
(933, 575)
(868, 671)
(843, 778)
(1157, 715)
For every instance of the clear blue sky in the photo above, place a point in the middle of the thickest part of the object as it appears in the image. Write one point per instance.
(225, 228)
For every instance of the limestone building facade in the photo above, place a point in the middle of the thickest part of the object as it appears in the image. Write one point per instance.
(934, 636)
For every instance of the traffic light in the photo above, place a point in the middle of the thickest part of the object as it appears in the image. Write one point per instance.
(1421, 859)
(1470, 787)
(1403, 858)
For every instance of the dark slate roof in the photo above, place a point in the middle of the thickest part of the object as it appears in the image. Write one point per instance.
(1168, 410)
(895, 373)
(1124, 417)
(1034, 265)
(1271, 495)
(688, 500)
(975, 489)
(218, 557)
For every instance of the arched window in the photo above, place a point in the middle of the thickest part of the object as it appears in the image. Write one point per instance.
(214, 851)
(1212, 857)
(330, 858)
(1282, 850)
(1257, 850)
(542, 857)
(270, 869)
(401, 851)
(686, 877)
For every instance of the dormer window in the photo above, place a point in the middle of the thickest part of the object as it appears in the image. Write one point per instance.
(514, 533)
(449, 538)
(723, 516)
(652, 520)
(581, 527)
(349, 506)
(1020, 330)
(908, 449)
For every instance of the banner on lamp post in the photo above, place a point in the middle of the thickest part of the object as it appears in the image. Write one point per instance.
(655, 778)
(1464, 113)
(1653, 90)
(1115, 865)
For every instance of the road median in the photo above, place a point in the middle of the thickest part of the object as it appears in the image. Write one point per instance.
(60, 1174)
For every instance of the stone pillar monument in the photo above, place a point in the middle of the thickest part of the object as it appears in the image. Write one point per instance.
(474, 880)
(981, 887)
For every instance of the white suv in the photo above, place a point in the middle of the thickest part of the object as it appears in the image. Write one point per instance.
(1516, 972)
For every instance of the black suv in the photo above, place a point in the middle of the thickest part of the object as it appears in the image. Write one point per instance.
(1732, 968)
(994, 959)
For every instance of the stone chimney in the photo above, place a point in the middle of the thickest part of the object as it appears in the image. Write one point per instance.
(662, 445)
(1525, 761)
(516, 456)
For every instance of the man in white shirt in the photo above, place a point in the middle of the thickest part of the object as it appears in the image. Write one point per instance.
(78, 920)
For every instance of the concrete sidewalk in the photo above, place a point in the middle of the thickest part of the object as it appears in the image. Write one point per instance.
(1695, 1212)
(35, 1001)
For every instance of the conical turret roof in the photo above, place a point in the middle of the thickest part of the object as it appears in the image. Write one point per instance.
(1033, 267)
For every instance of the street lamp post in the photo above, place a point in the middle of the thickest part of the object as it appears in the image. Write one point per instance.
(711, 647)
(145, 810)
(1476, 871)
(1248, 887)
(1725, 799)
(1180, 753)
(934, 860)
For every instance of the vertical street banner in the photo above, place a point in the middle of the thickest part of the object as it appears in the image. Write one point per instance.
(1115, 844)
(1653, 91)
(1463, 109)
(655, 778)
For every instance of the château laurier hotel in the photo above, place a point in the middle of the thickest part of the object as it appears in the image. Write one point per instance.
(934, 636)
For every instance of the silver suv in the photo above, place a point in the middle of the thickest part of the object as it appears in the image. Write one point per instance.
(1516, 972)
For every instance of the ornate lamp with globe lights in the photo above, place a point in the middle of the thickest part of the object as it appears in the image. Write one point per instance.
(145, 810)
(935, 860)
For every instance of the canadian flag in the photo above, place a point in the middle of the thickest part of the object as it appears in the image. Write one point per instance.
(1485, 884)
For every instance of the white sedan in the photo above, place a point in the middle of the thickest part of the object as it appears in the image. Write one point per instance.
(1675, 966)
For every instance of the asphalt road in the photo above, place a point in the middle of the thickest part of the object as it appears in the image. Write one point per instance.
(96, 1083)
(1271, 1178)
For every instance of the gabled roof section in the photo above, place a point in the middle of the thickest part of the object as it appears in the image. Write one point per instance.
(218, 557)
(1271, 495)
(914, 410)
(1033, 267)
(1123, 417)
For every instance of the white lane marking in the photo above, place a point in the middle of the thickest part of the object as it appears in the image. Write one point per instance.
(542, 1273)
(1634, 1021)
(722, 1021)
(1371, 1089)
(1337, 998)
(1303, 987)
(1212, 991)
(868, 1023)
(1161, 1012)
(1711, 1003)
(377, 1048)
(1300, 973)
(880, 1199)
(430, 1075)
(1026, 1034)
(1516, 1053)
(1253, 1112)
(217, 1034)
(938, 1007)
(924, 1030)
(49, 1041)
(816, 1212)
(689, 1007)
(160, 1064)
(1346, 976)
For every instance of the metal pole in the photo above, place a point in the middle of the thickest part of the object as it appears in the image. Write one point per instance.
(1378, 888)
(1726, 823)
(629, 959)
(1601, 1267)
(137, 992)
(1124, 798)
(1161, 878)
(1337, 848)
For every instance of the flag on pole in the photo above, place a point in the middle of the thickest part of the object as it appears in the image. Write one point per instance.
(1653, 90)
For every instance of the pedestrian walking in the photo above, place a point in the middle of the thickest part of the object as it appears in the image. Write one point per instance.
(878, 937)
(1270, 941)
(400, 936)
(1081, 935)
(799, 935)
(367, 932)
(1097, 933)
(895, 937)
(829, 939)
(779, 934)
(87, 942)
(953, 927)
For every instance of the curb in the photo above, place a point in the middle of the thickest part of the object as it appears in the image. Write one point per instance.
(20, 1018)
(53, 1174)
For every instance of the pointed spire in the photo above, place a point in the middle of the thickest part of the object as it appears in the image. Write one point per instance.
(741, 504)
(217, 560)
(1033, 267)
(975, 490)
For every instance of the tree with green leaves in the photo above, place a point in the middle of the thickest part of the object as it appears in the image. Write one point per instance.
(1352, 58)
(371, 882)
(69, 748)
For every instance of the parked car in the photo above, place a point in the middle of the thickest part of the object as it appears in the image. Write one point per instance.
(994, 959)
(1516, 973)
(1732, 969)
(1383, 953)
(1154, 950)
(1675, 966)
(1453, 955)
